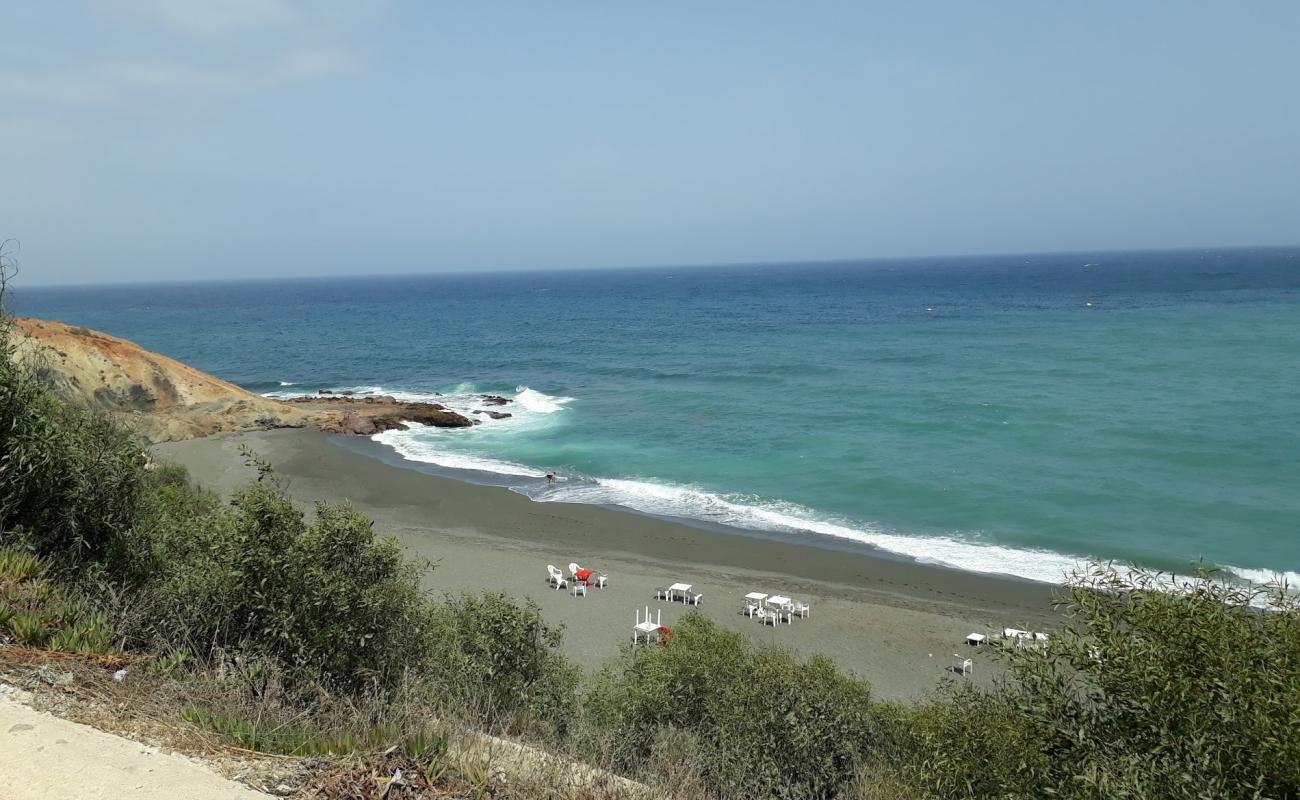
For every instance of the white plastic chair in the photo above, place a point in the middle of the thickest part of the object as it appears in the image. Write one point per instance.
(694, 598)
(750, 608)
(573, 569)
(801, 609)
(1017, 636)
(964, 666)
(578, 588)
(556, 577)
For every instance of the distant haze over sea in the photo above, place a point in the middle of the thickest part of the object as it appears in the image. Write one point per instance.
(1008, 414)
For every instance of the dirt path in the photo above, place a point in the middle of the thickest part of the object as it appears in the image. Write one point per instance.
(42, 756)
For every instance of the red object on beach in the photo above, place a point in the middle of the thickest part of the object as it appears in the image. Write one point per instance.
(665, 635)
(583, 575)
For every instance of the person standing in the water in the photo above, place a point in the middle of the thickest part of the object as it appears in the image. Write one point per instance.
(550, 476)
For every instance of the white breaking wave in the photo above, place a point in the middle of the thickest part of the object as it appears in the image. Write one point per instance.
(465, 399)
(287, 383)
(1259, 577)
(663, 499)
(409, 445)
(539, 403)
(529, 408)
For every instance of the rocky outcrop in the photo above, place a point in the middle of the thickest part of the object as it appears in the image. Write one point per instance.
(359, 422)
(165, 400)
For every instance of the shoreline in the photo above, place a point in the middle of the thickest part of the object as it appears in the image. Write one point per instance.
(893, 621)
(365, 446)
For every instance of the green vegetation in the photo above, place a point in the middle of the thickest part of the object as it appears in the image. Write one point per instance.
(1145, 693)
(314, 637)
(69, 478)
(284, 739)
(500, 663)
(38, 612)
(756, 723)
(328, 601)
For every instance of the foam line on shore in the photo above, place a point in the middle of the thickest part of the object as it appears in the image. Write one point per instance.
(530, 408)
(662, 499)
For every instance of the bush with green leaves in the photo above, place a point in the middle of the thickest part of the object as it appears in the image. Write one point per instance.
(500, 661)
(325, 600)
(69, 477)
(758, 722)
(1147, 692)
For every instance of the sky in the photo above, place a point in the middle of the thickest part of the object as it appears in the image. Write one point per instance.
(209, 139)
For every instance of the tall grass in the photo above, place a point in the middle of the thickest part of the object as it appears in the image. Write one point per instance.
(269, 736)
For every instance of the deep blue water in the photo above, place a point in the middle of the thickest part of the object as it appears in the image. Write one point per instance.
(976, 412)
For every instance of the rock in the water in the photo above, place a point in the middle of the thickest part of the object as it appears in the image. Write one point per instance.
(356, 425)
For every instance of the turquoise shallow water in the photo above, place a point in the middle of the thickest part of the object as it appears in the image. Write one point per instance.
(973, 412)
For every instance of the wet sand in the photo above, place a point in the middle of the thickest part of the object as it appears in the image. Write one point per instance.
(895, 622)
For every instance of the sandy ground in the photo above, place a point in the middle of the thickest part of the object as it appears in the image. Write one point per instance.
(42, 756)
(894, 622)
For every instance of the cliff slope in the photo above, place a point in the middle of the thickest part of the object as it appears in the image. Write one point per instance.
(165, 400)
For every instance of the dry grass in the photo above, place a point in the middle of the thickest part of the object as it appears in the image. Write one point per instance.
(148, 707)
(145, 707)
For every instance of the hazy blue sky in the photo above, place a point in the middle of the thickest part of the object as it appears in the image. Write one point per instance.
(147, 139)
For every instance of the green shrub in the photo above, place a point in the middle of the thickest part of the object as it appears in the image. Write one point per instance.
(324, 600)
(966, 743)
(499, 660)
(1146, 693)
(69, 477)
(760, 723)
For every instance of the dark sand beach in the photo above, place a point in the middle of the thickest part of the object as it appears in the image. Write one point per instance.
(896, 622)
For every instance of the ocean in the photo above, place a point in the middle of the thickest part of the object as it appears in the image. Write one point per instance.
(1013, 415)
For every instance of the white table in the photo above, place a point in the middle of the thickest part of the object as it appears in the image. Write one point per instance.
(647, 628)
(678, 589)
(780, 601)
(757, 597)
(976, 639)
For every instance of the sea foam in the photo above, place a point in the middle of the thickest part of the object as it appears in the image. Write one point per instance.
(1261, 577)
(409, 445)
(664, 499)
(539, 403)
